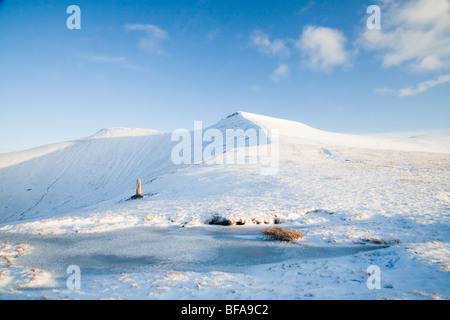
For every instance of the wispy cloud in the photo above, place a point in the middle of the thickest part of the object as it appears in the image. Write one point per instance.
(323, 48)
(415, 33)
(255, 88)
(413, 90)
(212, 34)
(119, 61)
(424, 86)
(281, 72)
(307, 7)
(102, 59)
(385, 91)
(153, 39)
(262, 42)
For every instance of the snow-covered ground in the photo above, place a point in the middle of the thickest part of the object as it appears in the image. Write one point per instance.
(66, 204)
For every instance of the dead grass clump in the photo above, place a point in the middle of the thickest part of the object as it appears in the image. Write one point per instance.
(219, 221)
(8, 261)
(282, 234)
(216, 219)
(382, 241)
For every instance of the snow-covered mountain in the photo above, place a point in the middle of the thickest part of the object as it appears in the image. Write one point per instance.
(65, 204)
(299, 133)
(102, 169)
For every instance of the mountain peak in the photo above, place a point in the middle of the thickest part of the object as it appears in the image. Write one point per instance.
(233, 114)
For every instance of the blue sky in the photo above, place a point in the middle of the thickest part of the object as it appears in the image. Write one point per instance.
(163, 64)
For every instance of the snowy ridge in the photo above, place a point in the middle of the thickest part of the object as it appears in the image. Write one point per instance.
(69, 176)
(13, 158)
(102, 169)
(298, 132)
(123, 132)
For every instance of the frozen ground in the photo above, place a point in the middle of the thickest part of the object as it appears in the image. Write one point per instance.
(65, 204)
(137, 256)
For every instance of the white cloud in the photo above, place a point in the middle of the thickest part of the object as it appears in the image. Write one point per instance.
(255, 88)
(262, 42)
(385, 91)
(415, 33)
(281, 72)
(103, 59)
(119, 61)
(323, 48)
(421, 87)
(424, 86)
(153, 38)
(212, 34)
(307, 7)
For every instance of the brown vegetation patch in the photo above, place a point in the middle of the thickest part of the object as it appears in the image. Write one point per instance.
(282, 234)
(382, 241)
(219, 220)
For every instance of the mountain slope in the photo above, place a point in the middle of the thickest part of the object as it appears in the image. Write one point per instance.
(296, 132)
(64, 177)
(102, 169)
